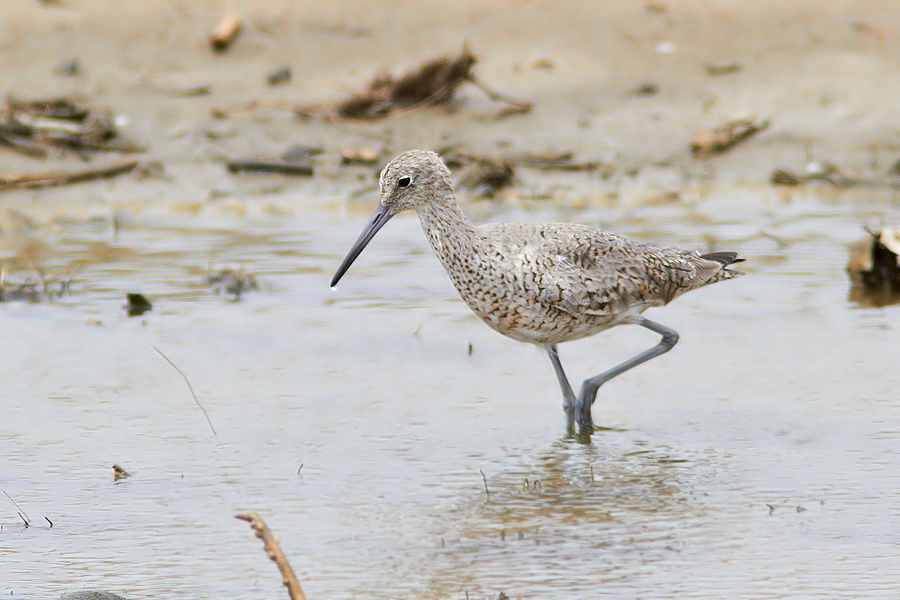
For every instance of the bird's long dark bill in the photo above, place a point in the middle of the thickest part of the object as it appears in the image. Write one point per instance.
(382, 215)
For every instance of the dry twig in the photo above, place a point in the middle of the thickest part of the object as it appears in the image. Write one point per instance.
(273, 551)
(189, 387)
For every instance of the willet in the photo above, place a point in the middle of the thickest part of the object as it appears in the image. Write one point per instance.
(542, 283)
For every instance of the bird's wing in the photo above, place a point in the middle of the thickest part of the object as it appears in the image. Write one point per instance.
(605, 274)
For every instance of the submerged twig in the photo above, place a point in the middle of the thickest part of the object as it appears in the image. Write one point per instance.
(486, 491)
(273, 551)
(189, 387)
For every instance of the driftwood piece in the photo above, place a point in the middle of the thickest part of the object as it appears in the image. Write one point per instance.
(718, 140)
(273, 551)
(54, 178)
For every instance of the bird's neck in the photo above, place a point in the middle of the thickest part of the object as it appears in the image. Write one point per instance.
(448, 230)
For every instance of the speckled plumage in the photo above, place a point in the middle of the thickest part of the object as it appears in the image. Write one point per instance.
(539, 283)
(545, 283)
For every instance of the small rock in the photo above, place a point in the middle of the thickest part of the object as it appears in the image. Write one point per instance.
(279, 76)
(137, 304)
(69, 68)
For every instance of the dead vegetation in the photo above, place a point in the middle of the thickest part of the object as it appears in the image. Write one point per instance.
(120, 473)
(33, 291)
(721, 139)
(229, 282)
(829, 173)
(30, 127)
(433, 83)
(486, 176)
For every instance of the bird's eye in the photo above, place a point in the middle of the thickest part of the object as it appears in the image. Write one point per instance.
(403, 182)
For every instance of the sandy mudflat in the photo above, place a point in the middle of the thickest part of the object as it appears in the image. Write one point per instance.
(824, 73)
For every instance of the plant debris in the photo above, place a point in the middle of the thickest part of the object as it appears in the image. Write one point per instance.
(647, 89)
(715, 141)
(489, 175)
(875, 262)
(119, 473)
(300, 153)
(486, 176)
(137, 304)
(829, 173)
(31, 126)
(562, 161)
(225, 33)
(232, 283)
(33, 291)
(54, 178)
(814, 172)
(433, 83)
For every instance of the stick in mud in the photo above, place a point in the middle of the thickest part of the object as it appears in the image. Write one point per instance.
(273, 551)
(263, 166)
(189, 387)
(54, 178)
(487, 493)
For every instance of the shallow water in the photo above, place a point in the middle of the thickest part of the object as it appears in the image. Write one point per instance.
(759, 459)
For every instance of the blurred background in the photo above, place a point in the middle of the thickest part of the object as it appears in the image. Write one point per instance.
(187, 176)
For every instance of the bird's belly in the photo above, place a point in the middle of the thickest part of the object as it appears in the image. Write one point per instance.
(541, 325)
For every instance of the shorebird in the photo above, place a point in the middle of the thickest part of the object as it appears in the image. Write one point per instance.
(545, 283)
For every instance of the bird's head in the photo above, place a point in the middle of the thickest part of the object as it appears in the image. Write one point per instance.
(408, 182)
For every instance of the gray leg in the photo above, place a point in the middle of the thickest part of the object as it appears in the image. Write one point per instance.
(590, 386)
(568, 394)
